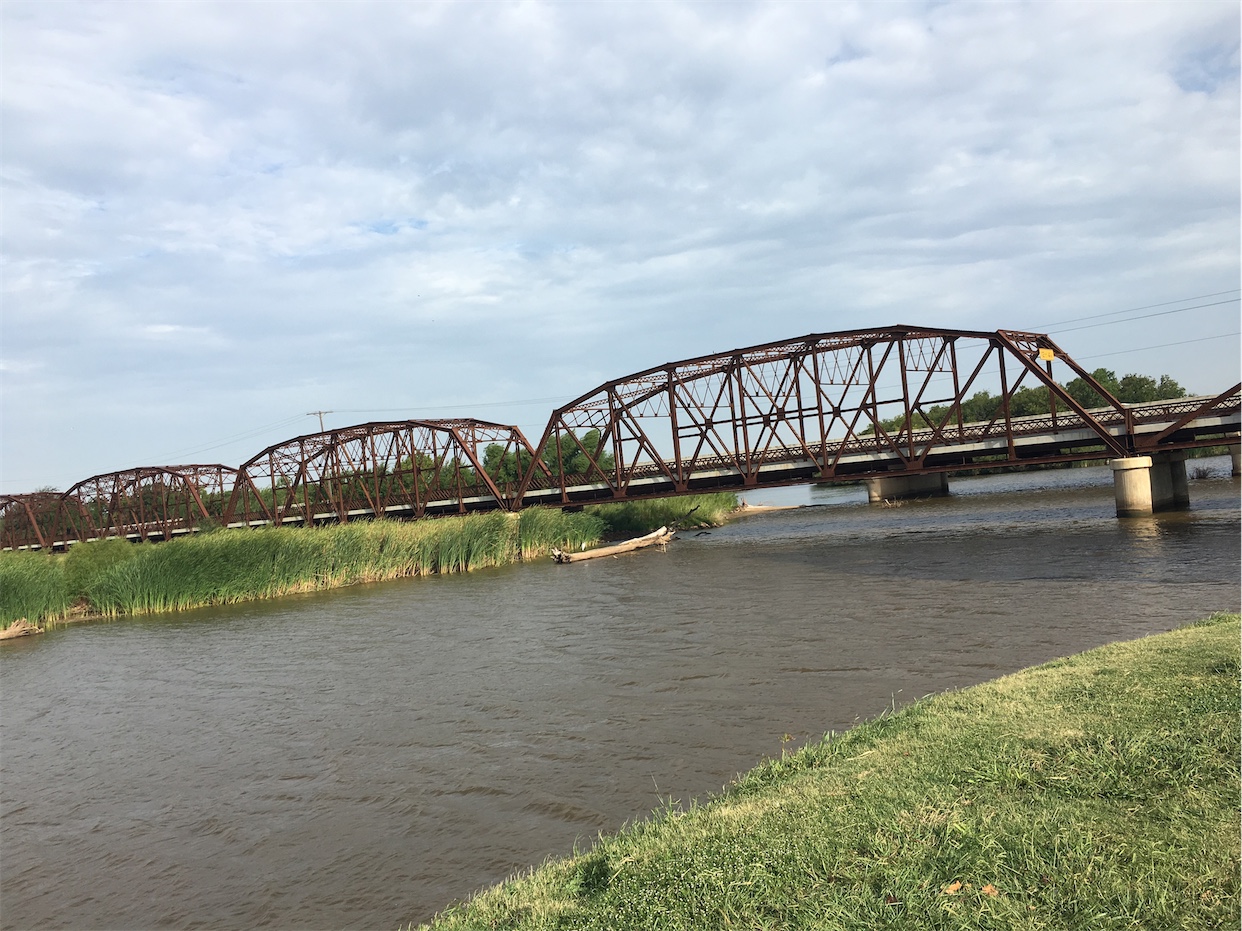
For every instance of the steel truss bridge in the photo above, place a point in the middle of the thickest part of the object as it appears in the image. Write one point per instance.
(828, 407)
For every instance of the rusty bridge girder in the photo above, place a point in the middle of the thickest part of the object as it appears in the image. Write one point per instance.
(823, 408)
(29, 521)
(145, 503)
(404, 469)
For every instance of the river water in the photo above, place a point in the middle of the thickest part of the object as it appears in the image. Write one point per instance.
(361, 758)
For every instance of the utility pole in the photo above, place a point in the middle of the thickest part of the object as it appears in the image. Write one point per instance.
(320, 414)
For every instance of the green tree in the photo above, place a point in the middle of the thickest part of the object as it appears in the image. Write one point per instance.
(572, 458)
(980, 407)
(1130, 389)
(1088, 397)
(503, 467)
(1168, 389)
(506, 467)
(1027, 401)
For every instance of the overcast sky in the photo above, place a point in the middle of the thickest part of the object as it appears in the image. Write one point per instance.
(218, 217)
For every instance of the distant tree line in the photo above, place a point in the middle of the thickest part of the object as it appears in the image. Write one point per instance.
(509, 467)
(983, 405)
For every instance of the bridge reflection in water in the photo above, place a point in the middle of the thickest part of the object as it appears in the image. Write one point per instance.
(885, 406)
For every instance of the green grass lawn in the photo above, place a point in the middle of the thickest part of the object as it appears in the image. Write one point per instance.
(1095, 792)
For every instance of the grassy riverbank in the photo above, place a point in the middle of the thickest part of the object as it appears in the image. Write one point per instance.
(113, 577)
(1099, 791)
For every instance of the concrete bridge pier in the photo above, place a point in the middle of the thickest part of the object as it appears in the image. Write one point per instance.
(1235, 453)
(1145, 484)
(899, 485)
(1169, 489)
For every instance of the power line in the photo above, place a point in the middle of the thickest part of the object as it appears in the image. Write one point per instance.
(1115, 313)
(1163, 313)
(991, 370)
(1184, 342)
(529, 401)
(453, 407)
(236, 438)
(258, 431)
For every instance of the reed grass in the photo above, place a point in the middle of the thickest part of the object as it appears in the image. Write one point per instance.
(115, 577)
(223, 568)
(85, 561)
(709, 510)
(1099, 791)
(32, 586)
(538, 525)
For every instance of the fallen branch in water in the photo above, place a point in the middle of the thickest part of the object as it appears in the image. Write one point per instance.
(680, 522)
(655, 538)
(19, 628)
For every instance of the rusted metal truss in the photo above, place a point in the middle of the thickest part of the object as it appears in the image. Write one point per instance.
(835, 407)
(147, 503)
(1177, 435)
(29, 521)
(409, 468)
(825, 407)
(153, 502)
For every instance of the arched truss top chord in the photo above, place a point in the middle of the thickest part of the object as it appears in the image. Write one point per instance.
(407, 468)
(148, 502)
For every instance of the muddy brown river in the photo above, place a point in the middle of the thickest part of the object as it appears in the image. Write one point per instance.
(362, 758)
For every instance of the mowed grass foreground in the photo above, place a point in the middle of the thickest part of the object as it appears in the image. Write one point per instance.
(114, 577)
(1095, 792)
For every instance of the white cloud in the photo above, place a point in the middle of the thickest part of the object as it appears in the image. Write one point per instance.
(373, 205)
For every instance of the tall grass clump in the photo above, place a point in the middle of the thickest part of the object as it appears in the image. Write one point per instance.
(406, 549)
(644, 516)
(86, 561)
(474, 542)
(1098, 791)
(542, 529)
(192, 571)
(117, 578)
(32, 585)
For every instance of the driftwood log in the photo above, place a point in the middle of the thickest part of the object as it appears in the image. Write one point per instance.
(655, 538)
(19, 628)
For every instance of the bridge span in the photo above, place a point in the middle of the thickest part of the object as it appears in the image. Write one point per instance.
(888, 406)
(1034, 440)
